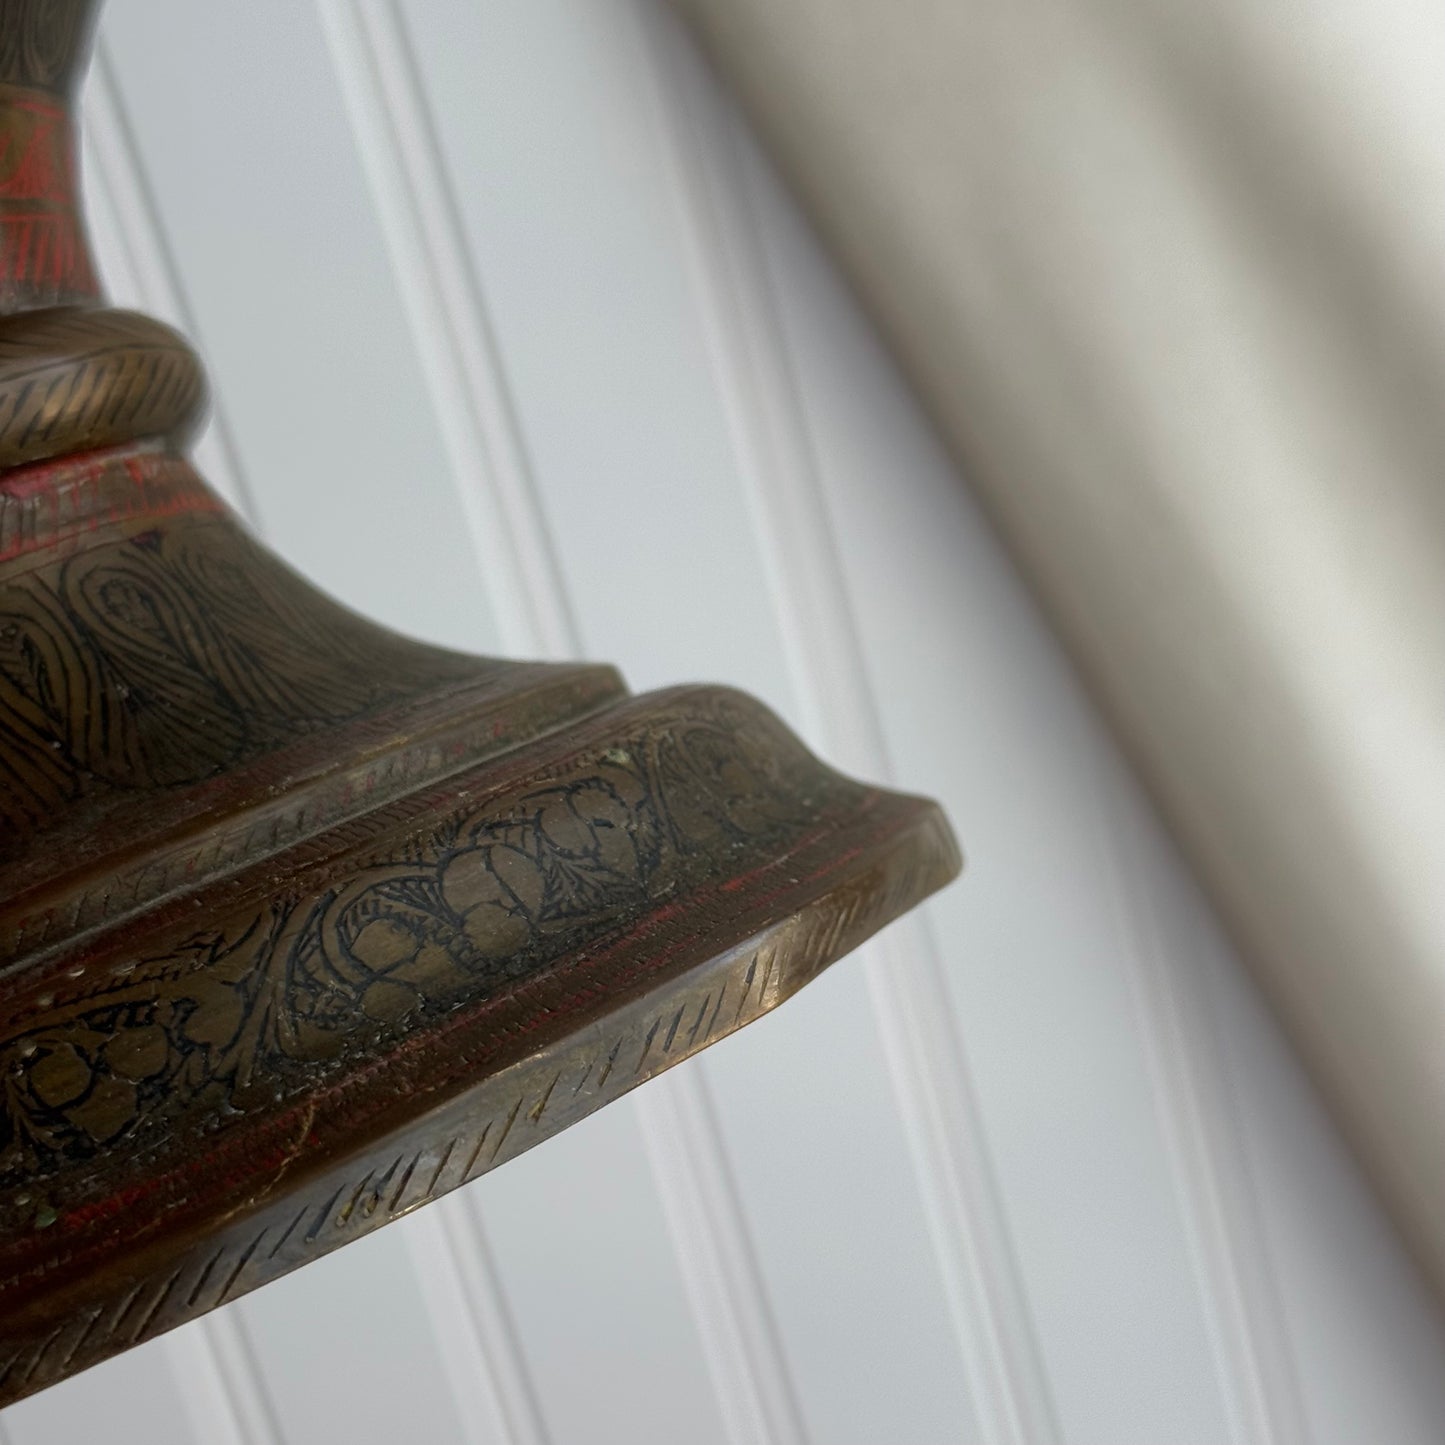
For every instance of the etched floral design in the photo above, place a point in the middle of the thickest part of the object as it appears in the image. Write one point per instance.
(240, 1014)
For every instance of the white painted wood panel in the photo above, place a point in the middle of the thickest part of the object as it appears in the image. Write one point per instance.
(1036, 1166)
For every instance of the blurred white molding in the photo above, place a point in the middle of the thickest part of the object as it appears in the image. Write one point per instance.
(212, 1361)
(455, 345)
(474, 1331)
(932, 1090)
(1206, 1153)
(445, 304)
(110, 156)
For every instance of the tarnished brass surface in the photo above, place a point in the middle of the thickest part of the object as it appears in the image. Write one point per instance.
(303, 924)
(78, 379)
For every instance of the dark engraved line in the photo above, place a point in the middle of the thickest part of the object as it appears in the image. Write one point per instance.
(241, 1264)
(143, 386)
(611, 1059)
(23, 394)
(536, 1113)
(841, 922)
(672, 1032)
(77, 397)
(716, 1010)
(123, 385)
(767, 957)
(211, 1263)
(647, 1044)
(775, 966)
(141, 393)
(324, 1216)
(697, 1022)
(39, 406)
(820, 942)
(29, 1372)
(173, 382)
(109, 401)
(431, 1188)
(154, 1310)
(476, 1153)
(348, 1209)
(405, 1180)
(124, 1309)
(747, 988)
(507, 1128)
(586, 1074)
(371, 1205)
(300, 1215)
(80, 1339)
(51, 403)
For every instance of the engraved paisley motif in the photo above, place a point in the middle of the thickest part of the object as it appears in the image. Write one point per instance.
(170, 656)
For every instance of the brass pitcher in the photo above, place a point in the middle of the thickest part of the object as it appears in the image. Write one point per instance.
(302, 923)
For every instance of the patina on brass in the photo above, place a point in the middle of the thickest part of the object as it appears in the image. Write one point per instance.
(303, 924)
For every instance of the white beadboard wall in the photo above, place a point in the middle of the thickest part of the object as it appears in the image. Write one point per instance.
(519, 346)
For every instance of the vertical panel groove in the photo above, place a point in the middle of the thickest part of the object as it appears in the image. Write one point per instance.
(112, 144)
(229, 1397)
(496, 1402)
(740, 1336)
(1208, 1163)
(931, 1085)
(519, 563)
(213, 1359)
(457, 350)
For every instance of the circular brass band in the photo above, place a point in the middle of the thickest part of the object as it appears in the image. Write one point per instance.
(72, 379)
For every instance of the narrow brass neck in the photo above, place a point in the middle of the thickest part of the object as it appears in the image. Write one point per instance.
(44, 258)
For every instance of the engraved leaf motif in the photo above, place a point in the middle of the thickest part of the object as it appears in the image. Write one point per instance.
(482, 900)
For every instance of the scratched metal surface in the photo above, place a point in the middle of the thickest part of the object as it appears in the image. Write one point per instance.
(1034, 1167)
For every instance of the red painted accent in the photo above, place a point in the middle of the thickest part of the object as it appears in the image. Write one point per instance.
(446, 1053)
(42, 242)
(53, 502)
(35, 141)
